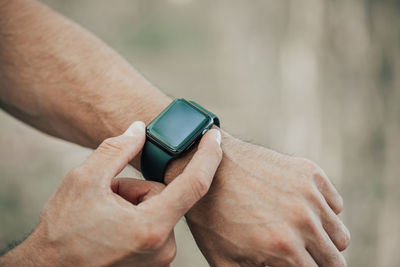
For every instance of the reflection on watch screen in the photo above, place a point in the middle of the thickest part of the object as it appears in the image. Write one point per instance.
(178, 123)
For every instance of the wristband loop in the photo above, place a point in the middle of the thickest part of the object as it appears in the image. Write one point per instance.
(154, 162)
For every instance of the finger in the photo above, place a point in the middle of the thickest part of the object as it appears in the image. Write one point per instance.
(167, 252)
(109, 159)
(135, 190)
(329, 192)
(293, 253)
(302, 259)
(223, 261)
(334, 227)
(299, 259)
(182, 193)
(323, 250)
(337, 231)
(307, 260)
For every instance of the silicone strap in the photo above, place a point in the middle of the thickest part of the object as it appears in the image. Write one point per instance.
(154, 161)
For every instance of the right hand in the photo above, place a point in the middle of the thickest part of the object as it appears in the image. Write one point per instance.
(96, 220)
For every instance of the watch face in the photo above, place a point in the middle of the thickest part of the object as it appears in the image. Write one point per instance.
(178, 126)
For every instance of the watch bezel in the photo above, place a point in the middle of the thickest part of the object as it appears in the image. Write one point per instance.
(188, 141)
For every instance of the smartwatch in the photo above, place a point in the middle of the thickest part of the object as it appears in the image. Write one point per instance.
(171, 134)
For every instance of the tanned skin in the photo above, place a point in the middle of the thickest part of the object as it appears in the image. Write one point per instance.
(95, 219)
(263, 207)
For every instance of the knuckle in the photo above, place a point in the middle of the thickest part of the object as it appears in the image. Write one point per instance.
(305, 219)
(313, 171)
(151, 238)
(309, 165)
(313, 196)
(200, 185)
(284, 247)
(168, 255)
(111, 144)
(319, 179)
(307, 223)
(282, 242)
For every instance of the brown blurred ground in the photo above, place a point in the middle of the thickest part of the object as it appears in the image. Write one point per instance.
(311, 78)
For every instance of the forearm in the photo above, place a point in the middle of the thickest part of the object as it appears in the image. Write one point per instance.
(62, 80)
(31, 252)
(59, 78)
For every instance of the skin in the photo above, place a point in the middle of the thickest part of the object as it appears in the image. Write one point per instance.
(263, 207)
(130, 221)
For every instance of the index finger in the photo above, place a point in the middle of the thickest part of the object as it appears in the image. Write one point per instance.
(190, 186)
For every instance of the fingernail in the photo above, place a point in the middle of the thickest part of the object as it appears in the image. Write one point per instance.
(136, 128)
(217, 136)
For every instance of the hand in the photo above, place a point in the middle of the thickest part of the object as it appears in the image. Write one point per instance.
(94, 219)
(265, 208)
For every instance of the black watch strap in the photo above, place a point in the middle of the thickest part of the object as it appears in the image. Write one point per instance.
(154, 161)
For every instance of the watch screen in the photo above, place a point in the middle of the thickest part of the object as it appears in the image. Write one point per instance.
(179, 122)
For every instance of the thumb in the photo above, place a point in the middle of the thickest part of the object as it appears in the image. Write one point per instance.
(190, 186)
(112, 156)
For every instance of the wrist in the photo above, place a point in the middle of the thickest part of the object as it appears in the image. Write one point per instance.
(34, 251)
(177, 165)
(117, 111)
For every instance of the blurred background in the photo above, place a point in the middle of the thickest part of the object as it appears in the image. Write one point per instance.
(310, 78)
